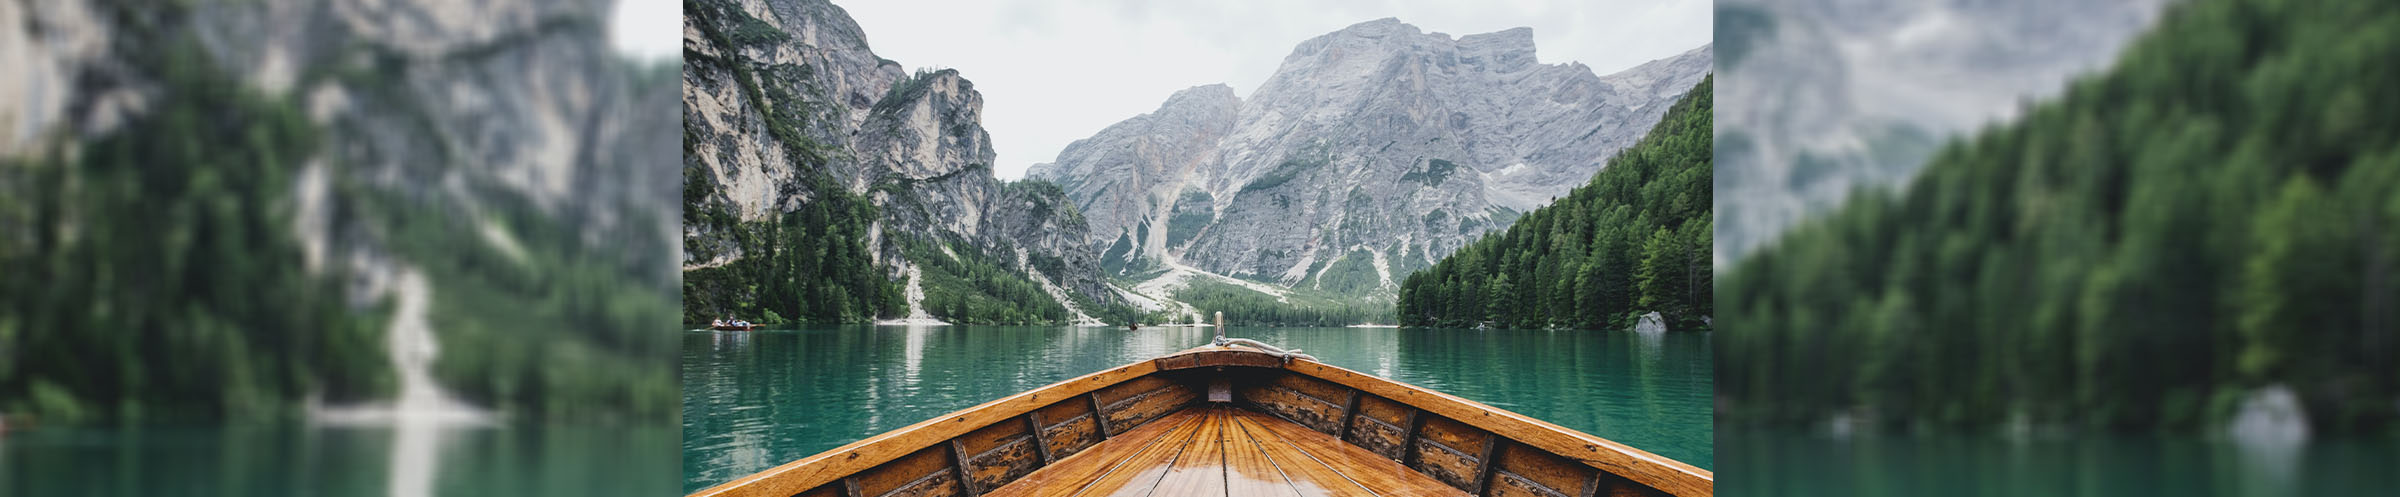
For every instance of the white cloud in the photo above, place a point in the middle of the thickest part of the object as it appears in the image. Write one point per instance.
(647, 29)
(1054, 71)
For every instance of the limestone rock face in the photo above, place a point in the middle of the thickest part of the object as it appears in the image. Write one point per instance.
(786, 101)
(456, 106)
(1377, 139)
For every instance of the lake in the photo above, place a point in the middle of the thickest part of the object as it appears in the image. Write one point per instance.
(759, 399)
(1798, 463)
(295, 460)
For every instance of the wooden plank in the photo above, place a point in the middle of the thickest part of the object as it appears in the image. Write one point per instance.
(962, 467)
(850, 488)
(1384, 410)
(907, 473)
(1134, 411)
(1591, 485)
(1307, 476)
(1375, 436)
(1113, 396)
(1408, 441)
(1033, 425)
(990, 437)
(1139, 474)
(1062, 413)
(1349, 410)
(1073, 473)
(829, 466)
(1449, 433)
(1483, 468)
(1448, 464)
(1248, 470)
(1328, 393)
(1200, 469)
(1070, 428)
(1667, 475)
(1210, 356)
(1506, 484)
(1306, 452)
(1002, 464)
(1099, 417)
(1294, 406)
(1543, 470)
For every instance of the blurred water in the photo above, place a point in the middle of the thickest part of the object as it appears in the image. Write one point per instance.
(755, 400)
(294, 460)
(1797, 463)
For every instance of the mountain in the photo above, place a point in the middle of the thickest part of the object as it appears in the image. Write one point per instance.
(1824, 97)
(2207, 219)
(242, 205)
(1370, 152)
(822, 183)
(1631, 241)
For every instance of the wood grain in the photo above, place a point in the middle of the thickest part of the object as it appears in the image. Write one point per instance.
(1137, 475)
(1308, 476)
(826, 467)
(1311, 451)
(1667, 475)
(1248, 469)
(1073, 473)
(1200, 469)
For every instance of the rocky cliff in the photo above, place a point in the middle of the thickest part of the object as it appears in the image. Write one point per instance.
(786, 107)
(500, 152)
(1380, 142)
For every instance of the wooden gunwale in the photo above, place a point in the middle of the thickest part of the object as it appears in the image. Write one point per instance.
(834, 469)
(832, 465)
(1668, 475)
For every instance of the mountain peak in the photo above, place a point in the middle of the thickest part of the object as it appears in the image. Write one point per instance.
(1210, 93)
(1378, 27)
(1504, 50)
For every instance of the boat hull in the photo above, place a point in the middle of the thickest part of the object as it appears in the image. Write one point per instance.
(1463, 445)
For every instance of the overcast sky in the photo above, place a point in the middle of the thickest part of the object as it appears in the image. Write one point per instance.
(1055, 71)
(647, 29)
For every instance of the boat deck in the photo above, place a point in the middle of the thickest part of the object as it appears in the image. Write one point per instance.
(1222, 451)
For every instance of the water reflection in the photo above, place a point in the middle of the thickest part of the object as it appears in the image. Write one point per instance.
(294, 460)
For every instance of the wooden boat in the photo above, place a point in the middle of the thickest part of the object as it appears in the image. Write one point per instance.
(1228, 419)
(728, 327)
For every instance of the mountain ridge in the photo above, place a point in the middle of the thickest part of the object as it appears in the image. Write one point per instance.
(1378, 140)
(800, 138)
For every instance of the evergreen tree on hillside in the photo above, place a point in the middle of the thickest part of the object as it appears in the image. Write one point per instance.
(2212, 215)
(1625, 243)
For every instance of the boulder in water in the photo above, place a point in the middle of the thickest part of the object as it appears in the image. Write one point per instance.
(2270, 417)
(1651, 323)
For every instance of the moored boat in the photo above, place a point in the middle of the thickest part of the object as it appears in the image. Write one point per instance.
(1231, 418)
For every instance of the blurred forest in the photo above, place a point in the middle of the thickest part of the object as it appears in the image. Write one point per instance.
(2216, 213)
(154, 272)
(1634, 240)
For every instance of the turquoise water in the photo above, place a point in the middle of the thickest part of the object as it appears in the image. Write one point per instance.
(755, 400)
(1760, 462)
(279, 460)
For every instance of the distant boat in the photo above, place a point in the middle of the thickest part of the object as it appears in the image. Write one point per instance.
(728, 327)
(1235, 417)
